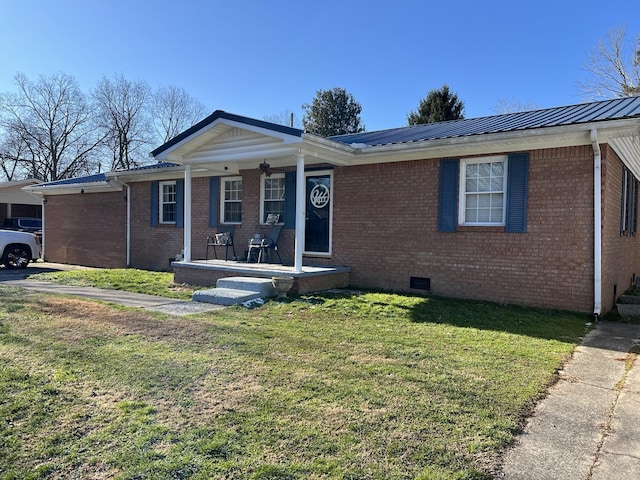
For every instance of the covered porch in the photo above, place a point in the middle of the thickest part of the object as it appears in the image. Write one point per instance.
(254, 169)
(309, 279)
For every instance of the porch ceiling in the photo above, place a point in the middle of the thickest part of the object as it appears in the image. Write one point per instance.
(628, 149)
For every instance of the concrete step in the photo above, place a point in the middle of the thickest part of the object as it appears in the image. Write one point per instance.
(224, 296)
(262, 286)
(234, 290)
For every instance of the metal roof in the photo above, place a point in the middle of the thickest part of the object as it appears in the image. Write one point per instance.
(619, 108)
(102, 177)
(98, 177)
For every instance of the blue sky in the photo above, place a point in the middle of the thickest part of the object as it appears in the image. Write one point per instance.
(259, 58)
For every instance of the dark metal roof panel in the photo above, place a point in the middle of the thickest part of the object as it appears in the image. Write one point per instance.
(98, 177)
(615, 109)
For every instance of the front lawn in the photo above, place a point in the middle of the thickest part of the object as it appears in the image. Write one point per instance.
(353, 386)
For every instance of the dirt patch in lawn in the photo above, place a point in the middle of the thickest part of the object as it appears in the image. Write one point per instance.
(76, 319)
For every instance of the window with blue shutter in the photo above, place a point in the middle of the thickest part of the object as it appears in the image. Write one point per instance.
(154, 203)
(517, 193)
(214, 198)
(290, 200)
(448, 195)
(180, 203)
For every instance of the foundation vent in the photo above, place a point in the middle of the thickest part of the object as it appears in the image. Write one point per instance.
(420, 283)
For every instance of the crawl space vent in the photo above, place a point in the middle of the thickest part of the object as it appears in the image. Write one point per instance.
(420, 283)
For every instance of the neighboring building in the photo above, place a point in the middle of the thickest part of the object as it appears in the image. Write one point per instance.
(16, 202)
(534, 208)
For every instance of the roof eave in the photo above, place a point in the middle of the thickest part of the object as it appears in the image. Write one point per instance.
(74, 188)
(491, 143)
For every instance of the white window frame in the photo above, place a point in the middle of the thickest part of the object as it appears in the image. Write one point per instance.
(463, 193)
(162, 202)
(223, 201)
(263, 180)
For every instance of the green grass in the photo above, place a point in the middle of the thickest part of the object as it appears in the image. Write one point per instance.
(368, 386)
(128, 279)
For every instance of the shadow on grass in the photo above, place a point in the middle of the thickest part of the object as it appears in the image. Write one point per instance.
(539, 323)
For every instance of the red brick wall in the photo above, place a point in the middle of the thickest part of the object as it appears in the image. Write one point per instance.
(386, 230)
(250, 219)
(86, 229)
(620, 254)
(152, 248)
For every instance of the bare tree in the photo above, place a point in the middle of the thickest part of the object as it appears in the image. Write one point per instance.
(285, 117)
(510, 105)
(123, 115)
(12, 155)
(614, 67)
(174, 110)
(49, 133)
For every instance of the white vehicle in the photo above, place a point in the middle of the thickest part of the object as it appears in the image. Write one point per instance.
(18, 248)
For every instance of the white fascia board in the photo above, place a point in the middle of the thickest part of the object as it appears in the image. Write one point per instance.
(67, 189)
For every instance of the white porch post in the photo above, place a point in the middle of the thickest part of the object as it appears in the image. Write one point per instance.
(300, 213)
(187, 213)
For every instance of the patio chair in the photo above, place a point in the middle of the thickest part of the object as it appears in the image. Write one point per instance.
(265, 245)
(222, 239)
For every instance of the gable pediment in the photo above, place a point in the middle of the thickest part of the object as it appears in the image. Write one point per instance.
(224, 134)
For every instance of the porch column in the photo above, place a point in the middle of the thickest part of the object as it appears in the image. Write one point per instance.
(300, 213)
(187, 213)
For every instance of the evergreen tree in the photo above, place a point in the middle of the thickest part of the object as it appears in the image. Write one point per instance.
(332, 112)
(438, 106)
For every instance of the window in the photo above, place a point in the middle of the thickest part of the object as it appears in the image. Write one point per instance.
(482, 191)
(231, 200)
(168, 205)
(272, 194)
(629, 204)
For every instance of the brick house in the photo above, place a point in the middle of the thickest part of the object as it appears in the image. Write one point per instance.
(533, 208)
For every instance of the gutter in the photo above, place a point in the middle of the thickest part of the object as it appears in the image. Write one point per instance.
(597, 223)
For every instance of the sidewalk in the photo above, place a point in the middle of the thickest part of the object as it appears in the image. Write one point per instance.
(588, 425)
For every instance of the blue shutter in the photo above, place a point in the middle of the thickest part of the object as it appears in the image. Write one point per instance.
(214, 199)
(448, 196)
(517, 193)
(154, 204)
(180, 203)
(290, 200)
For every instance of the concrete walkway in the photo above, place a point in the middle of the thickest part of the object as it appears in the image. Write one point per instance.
(588, 427)
(172, 306)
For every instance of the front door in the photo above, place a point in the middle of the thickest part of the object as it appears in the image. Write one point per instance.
(319, 210)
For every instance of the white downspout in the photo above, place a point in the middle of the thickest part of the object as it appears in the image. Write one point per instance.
(300, 213)
(187, 213)
(597, 223)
